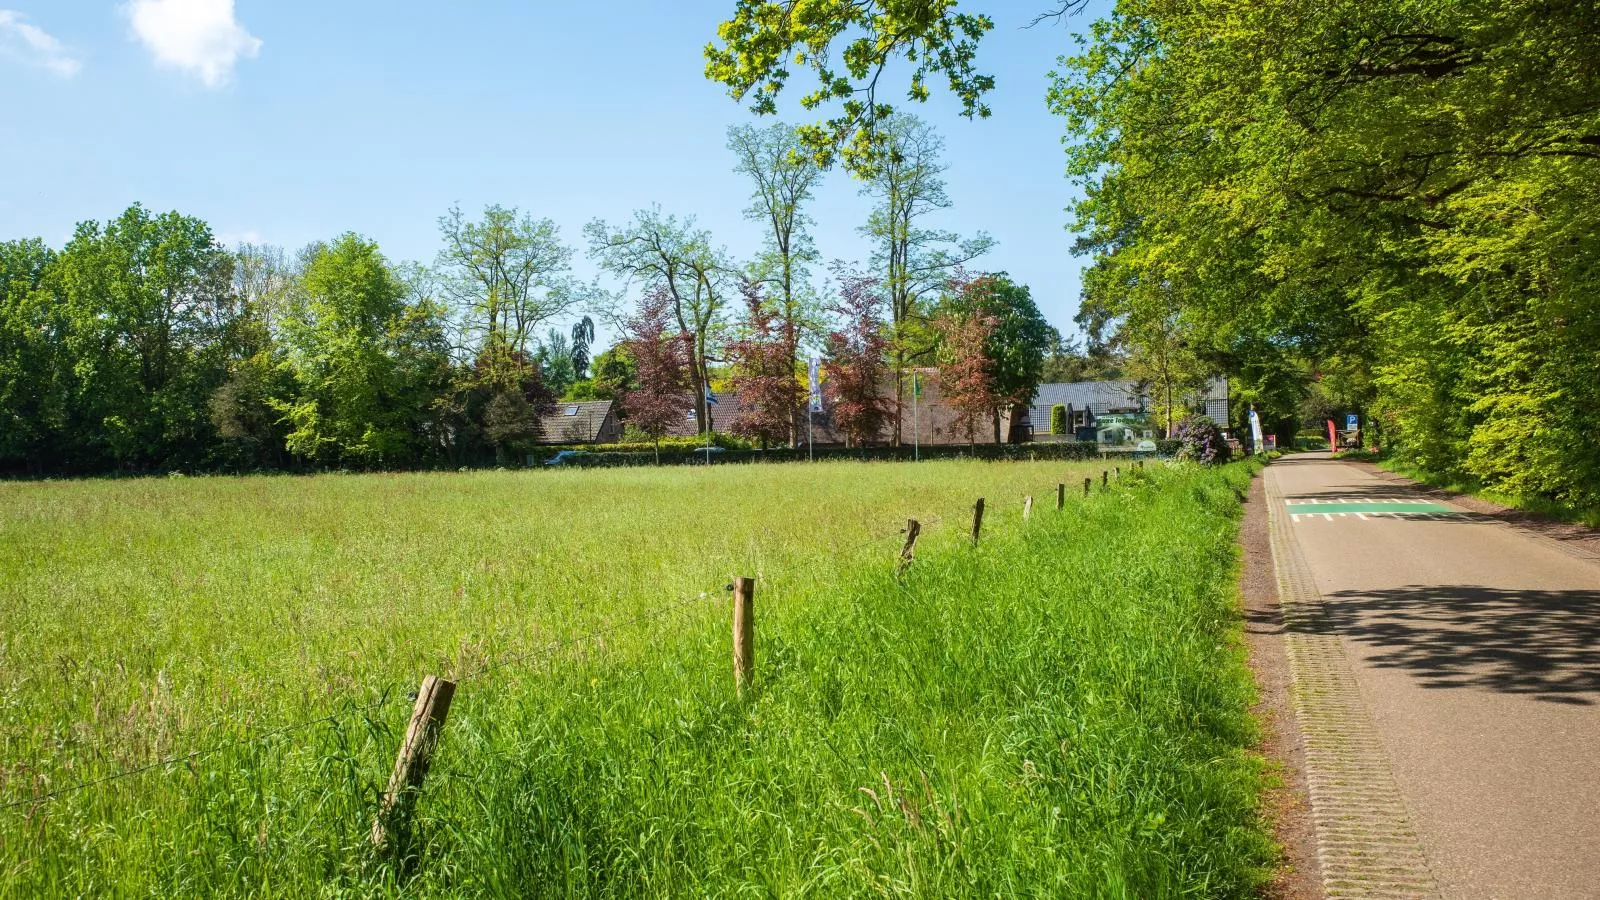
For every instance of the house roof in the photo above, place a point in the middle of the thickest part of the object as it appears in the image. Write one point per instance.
(1099, 397)
(1103, 397)
(574, 423)
(929, 418)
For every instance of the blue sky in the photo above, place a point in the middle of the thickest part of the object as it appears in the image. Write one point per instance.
(289, 121)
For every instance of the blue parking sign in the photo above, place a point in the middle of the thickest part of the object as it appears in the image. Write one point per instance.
(1351, 422)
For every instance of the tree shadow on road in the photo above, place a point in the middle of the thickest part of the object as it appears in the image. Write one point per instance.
(1543, 643)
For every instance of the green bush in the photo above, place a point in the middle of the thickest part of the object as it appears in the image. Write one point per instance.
(1058, 419)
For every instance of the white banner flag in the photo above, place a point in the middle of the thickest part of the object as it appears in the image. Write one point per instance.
(1255, 433)
(815, 372)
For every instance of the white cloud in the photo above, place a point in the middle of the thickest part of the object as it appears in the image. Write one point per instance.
(200, 37)
(33, 45)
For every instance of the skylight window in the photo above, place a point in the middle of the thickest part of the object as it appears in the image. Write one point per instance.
(572, 410)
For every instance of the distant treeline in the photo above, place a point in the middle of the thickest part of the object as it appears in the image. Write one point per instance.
(144, 345)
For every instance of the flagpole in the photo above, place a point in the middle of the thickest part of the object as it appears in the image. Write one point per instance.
(916, 433)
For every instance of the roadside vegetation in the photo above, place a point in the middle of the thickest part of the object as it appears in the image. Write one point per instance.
(1061, 711)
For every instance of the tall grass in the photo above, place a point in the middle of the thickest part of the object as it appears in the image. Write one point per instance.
(1061, 711)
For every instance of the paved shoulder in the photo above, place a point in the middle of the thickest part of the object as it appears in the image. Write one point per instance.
(1460, 661)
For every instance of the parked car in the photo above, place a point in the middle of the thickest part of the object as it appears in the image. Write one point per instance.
(564, 457)
(707, 453)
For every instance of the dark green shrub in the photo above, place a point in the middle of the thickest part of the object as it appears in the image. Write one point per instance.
(1058, 419)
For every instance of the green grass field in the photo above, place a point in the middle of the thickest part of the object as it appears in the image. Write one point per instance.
(1062, 711)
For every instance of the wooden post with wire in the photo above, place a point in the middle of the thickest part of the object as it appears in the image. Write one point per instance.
(1105, 478)
(977, 520)
(744, 635)
(1086, 483)
(1061, 496)
(1119, 473)
(1027, 507)
(908, 551)
(411, 766)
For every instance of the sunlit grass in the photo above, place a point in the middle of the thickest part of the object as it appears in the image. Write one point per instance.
(1060, 711)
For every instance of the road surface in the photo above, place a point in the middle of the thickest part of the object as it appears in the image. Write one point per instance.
(1474, 651)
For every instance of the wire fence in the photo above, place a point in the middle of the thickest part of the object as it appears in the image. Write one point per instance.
(391, 694)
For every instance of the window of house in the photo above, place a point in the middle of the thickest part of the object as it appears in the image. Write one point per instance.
(572, 410)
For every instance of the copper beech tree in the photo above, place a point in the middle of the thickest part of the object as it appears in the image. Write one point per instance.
(661, 359)
(966, 377)
(857, 364)
(764, 372)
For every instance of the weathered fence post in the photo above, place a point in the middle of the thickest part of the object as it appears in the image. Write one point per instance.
(1061, 496)
(744, 634)
(977, 520)
(1119, 473)
(1086, 483)
(908, 552)
(1027, 507)
(1105, 478)
(411, 766)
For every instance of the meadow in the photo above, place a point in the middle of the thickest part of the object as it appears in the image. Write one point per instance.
(1061, 711)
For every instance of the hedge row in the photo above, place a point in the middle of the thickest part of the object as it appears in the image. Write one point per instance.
(1065, 450)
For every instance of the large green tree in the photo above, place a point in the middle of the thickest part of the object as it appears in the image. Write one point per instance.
(784, 175)
(29, 340)
(367, 364)
(1016, 337)
(150, 322)
(676, 256)
(914, 262)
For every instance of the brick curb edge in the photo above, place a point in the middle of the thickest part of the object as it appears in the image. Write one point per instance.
(1365, 843)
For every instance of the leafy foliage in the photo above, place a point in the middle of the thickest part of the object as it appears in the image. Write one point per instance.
(661, 360)
(855, 360)
(765, 37)
(764, 374)
(967, 375)
(1398, 197)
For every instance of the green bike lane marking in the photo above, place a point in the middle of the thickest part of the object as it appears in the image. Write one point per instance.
(1337, 507)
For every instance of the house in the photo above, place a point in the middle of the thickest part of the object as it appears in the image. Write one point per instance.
(926, 418)
(583, 422)
(1090, 402)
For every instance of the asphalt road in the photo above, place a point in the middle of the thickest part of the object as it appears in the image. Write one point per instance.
(1476, 648)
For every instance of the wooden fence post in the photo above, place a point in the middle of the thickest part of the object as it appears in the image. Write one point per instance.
(411, 766)
(744, 634)
(1086, 483)
(1119, 473)
(977, 520)
(1061, 496)
(1105, 478)
(908, 552)
(1027, 507)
